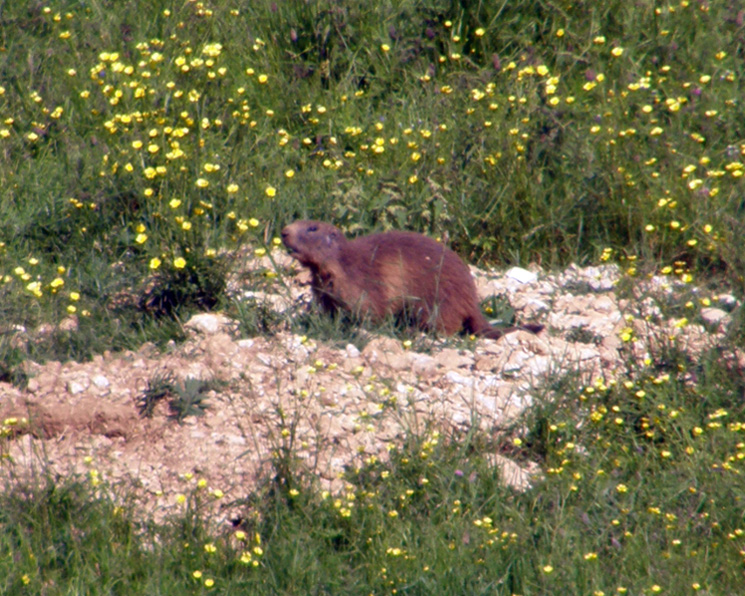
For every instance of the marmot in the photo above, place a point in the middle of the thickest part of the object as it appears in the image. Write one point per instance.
(405, 274)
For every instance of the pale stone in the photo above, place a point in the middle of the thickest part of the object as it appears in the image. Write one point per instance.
(458, 379)
(713, 316)
(422, 364)
(521, 275)
(728, 301)
(76, 387)
(100, 381)
(450, 358)
(69, 324)
(210, 323)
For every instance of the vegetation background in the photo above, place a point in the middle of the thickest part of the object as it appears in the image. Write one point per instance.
(144, 145)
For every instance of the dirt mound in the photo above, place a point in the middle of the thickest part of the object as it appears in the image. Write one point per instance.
(332, 407)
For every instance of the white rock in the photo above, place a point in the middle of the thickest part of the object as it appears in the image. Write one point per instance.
(352, 351)
(512, 474)
(231, 439)
(273, 301)
(537, 305)
(265, 359)
(539, 365)
(422, 364)
(451, 358)
(460, 418)
(522, 275)
(727, 300)
(100, 381)
(210, 323)
(713, 316)
(75, 387)
(69, 324)
(458, 379)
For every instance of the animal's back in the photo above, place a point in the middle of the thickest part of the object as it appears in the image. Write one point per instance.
(417, 277)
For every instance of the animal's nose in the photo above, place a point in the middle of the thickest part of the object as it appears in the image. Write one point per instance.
(285, 232)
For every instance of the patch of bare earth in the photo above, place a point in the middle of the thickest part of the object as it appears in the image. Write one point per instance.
(336, 407)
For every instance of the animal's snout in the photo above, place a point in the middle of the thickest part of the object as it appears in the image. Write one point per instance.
(289, 237)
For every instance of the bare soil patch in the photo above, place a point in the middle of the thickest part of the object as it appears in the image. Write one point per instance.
(333, 407)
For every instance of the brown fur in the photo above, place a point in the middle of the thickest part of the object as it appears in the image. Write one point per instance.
(400, 273)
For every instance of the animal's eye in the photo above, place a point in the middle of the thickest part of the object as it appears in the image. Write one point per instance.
(312, 228)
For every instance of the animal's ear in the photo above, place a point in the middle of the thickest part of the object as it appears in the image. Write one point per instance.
(331, 238)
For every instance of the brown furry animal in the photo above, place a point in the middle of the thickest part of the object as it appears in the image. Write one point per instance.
(400, 273)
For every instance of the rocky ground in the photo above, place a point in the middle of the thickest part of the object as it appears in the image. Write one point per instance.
(333, 407)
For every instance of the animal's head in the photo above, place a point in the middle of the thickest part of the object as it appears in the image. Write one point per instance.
(313, 242)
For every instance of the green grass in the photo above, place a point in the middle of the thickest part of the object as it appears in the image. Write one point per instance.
(144, 145)
(150, 141)
(638, 490)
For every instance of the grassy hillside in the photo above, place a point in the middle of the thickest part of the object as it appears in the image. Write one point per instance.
(144, 144)
(149, 140)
